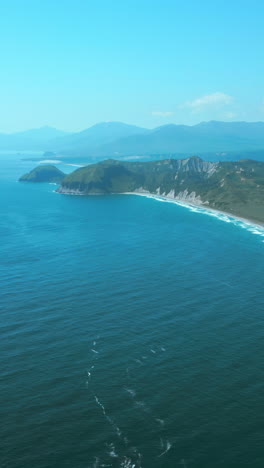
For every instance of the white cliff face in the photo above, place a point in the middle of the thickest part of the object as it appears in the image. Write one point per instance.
(141, 190)
(187, 197)
(183, 196)
(196, 164)
(171, 194)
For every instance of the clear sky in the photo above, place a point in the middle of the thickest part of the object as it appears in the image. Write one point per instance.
(73, 63)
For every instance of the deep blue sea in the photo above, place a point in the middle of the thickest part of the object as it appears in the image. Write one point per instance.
(132, 332)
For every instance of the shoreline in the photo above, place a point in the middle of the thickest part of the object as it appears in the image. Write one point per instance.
(197, 206)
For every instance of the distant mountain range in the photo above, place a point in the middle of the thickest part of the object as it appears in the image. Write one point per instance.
(114, 139)
(36, 139)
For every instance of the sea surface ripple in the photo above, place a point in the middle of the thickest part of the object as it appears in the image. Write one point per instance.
(131, 332)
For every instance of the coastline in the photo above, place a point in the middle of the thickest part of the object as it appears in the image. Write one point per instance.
(198, 207)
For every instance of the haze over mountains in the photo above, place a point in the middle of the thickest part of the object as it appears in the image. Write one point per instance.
(30, 140)
(115, 139)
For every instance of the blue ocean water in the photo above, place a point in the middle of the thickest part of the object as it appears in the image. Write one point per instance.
(131, 332)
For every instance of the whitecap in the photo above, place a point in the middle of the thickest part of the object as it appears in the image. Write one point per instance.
(112, 451)
(168, 447)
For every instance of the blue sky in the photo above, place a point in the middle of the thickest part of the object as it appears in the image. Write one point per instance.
(71, 64)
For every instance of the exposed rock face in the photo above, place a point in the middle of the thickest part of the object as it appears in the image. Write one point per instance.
(189, 197)
(69, 191)
(195, 164)
(235, 187)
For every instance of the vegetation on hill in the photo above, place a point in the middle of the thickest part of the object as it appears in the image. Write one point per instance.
(43, 173)
(234, 187)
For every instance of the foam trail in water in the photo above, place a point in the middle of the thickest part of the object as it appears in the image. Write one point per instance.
(168, 447)
(100, 404)
(138, 361)
(116, 428)
(94, 351)
(112, 451)
(152, 350)
(163, 349)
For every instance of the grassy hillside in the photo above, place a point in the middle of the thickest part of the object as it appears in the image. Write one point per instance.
(45, 173)
(234, 187)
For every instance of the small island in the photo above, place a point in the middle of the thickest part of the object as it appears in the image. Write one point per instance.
(232, 187)
(45, 173)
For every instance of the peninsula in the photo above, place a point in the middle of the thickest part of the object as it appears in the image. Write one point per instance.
(233, 187)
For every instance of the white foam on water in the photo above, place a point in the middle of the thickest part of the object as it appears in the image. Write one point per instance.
(163, 349)
(160, 421)
(113, 424)
(138, 361)
(141, 405)
(168, 447)
(94, 351)
(239, 222)
(152, 350)
(130, 391)
(127, 463)
(100, 404)
(112, 451)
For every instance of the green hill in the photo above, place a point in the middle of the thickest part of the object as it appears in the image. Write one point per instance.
(45, 173)
(234, 187)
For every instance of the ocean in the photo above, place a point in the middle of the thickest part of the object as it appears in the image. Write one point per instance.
(131, 331)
